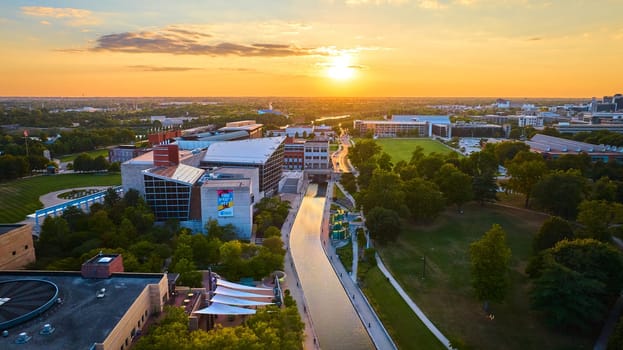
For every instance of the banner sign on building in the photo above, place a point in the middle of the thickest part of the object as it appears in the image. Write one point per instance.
(225, 203)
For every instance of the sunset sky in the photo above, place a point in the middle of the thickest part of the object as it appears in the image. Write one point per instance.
(497, 48)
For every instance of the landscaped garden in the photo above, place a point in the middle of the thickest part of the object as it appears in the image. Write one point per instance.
(21, 197)
(445, 293)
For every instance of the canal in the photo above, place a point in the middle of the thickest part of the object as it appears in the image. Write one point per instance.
(335, 321)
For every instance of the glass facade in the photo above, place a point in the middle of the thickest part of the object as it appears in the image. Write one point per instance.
(167, 199)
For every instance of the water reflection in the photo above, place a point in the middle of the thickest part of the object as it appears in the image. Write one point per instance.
(335, 320)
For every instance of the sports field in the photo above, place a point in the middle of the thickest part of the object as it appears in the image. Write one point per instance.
(440, 284)
(21, 197)
(401, 149)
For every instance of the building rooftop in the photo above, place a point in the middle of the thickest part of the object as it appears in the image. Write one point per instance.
(435, 119)
(81, 318)
(185, 174)
(4, 228)
(546, 143)
(250, 127)
(230, 183)
(254, 151)
(148, 158)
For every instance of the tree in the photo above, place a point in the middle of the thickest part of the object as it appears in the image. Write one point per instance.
(568, 298)
(524, 175)
(363, 151)
(423, 199)
(598, 217)
(384, 161)
(189, 276)
(384, 190)
(490, 259)
(553, 230)
(578, 281)
(604, 189)
(384, 224)
(505, 151)
(455, 185)
(560, 192)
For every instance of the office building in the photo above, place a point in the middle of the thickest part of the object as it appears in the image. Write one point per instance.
(100, 308)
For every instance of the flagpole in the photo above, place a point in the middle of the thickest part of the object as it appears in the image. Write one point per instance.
(26, 141)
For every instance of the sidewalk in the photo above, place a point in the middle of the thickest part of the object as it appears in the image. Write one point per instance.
(436, 332)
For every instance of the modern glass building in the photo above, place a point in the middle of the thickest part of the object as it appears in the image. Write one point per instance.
(168, 190)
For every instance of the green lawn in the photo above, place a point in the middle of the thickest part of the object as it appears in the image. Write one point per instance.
(401, 149)
(446, 296)
(93, 154)
(406, 329)
(21, 197)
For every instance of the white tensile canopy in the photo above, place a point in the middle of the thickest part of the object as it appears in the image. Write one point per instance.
(223, 299)
(220, 282)
(222, 309)
(239, 294)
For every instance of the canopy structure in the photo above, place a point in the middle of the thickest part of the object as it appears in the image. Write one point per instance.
(220, 282)
(238, 293)
(222, 309)
(223, 299)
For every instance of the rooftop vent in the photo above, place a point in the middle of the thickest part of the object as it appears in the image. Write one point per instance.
(5, 333)
(564, 149)
(101, 293)
(23, 338)
(591, 149)
(578, 149)
(47, 329)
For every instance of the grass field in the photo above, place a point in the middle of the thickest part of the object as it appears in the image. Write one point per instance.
(93, 154)
(21, 197)
(401, 149)
(446, 296)
(405, 328)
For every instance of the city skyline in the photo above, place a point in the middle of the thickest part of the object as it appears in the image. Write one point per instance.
(359, 48)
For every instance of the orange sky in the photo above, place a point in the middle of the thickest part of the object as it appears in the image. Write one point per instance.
(566, 48)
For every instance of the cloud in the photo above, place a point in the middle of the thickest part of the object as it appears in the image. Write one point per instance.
(70, 16)
(178, 41)
(376, 2)
(45, 23)
(432, 5)
(239, 69)
(147, 68)
(536, 38)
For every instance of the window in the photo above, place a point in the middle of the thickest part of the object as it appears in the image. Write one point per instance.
(26, 247)
(14, 252)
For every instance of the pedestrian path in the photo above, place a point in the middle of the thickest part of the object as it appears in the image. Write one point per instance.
(412, 304)
(379, 335)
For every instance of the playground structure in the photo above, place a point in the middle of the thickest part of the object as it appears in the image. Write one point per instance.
(339, 225)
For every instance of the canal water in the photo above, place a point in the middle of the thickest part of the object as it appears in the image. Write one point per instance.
(336, 323)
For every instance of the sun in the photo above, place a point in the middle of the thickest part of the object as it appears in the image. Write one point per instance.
(341, 68)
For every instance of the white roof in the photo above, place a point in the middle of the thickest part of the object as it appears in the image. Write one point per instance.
(222, 309)
(223, 299)
(253, 151)
(185, 174)
(238, 294)
(220, 282)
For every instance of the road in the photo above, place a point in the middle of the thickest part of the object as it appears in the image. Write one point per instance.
(339, 158)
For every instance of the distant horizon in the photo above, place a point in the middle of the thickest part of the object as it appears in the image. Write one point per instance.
(323, 48)
(284, 96)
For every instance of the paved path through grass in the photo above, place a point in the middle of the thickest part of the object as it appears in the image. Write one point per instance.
(412, 304)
